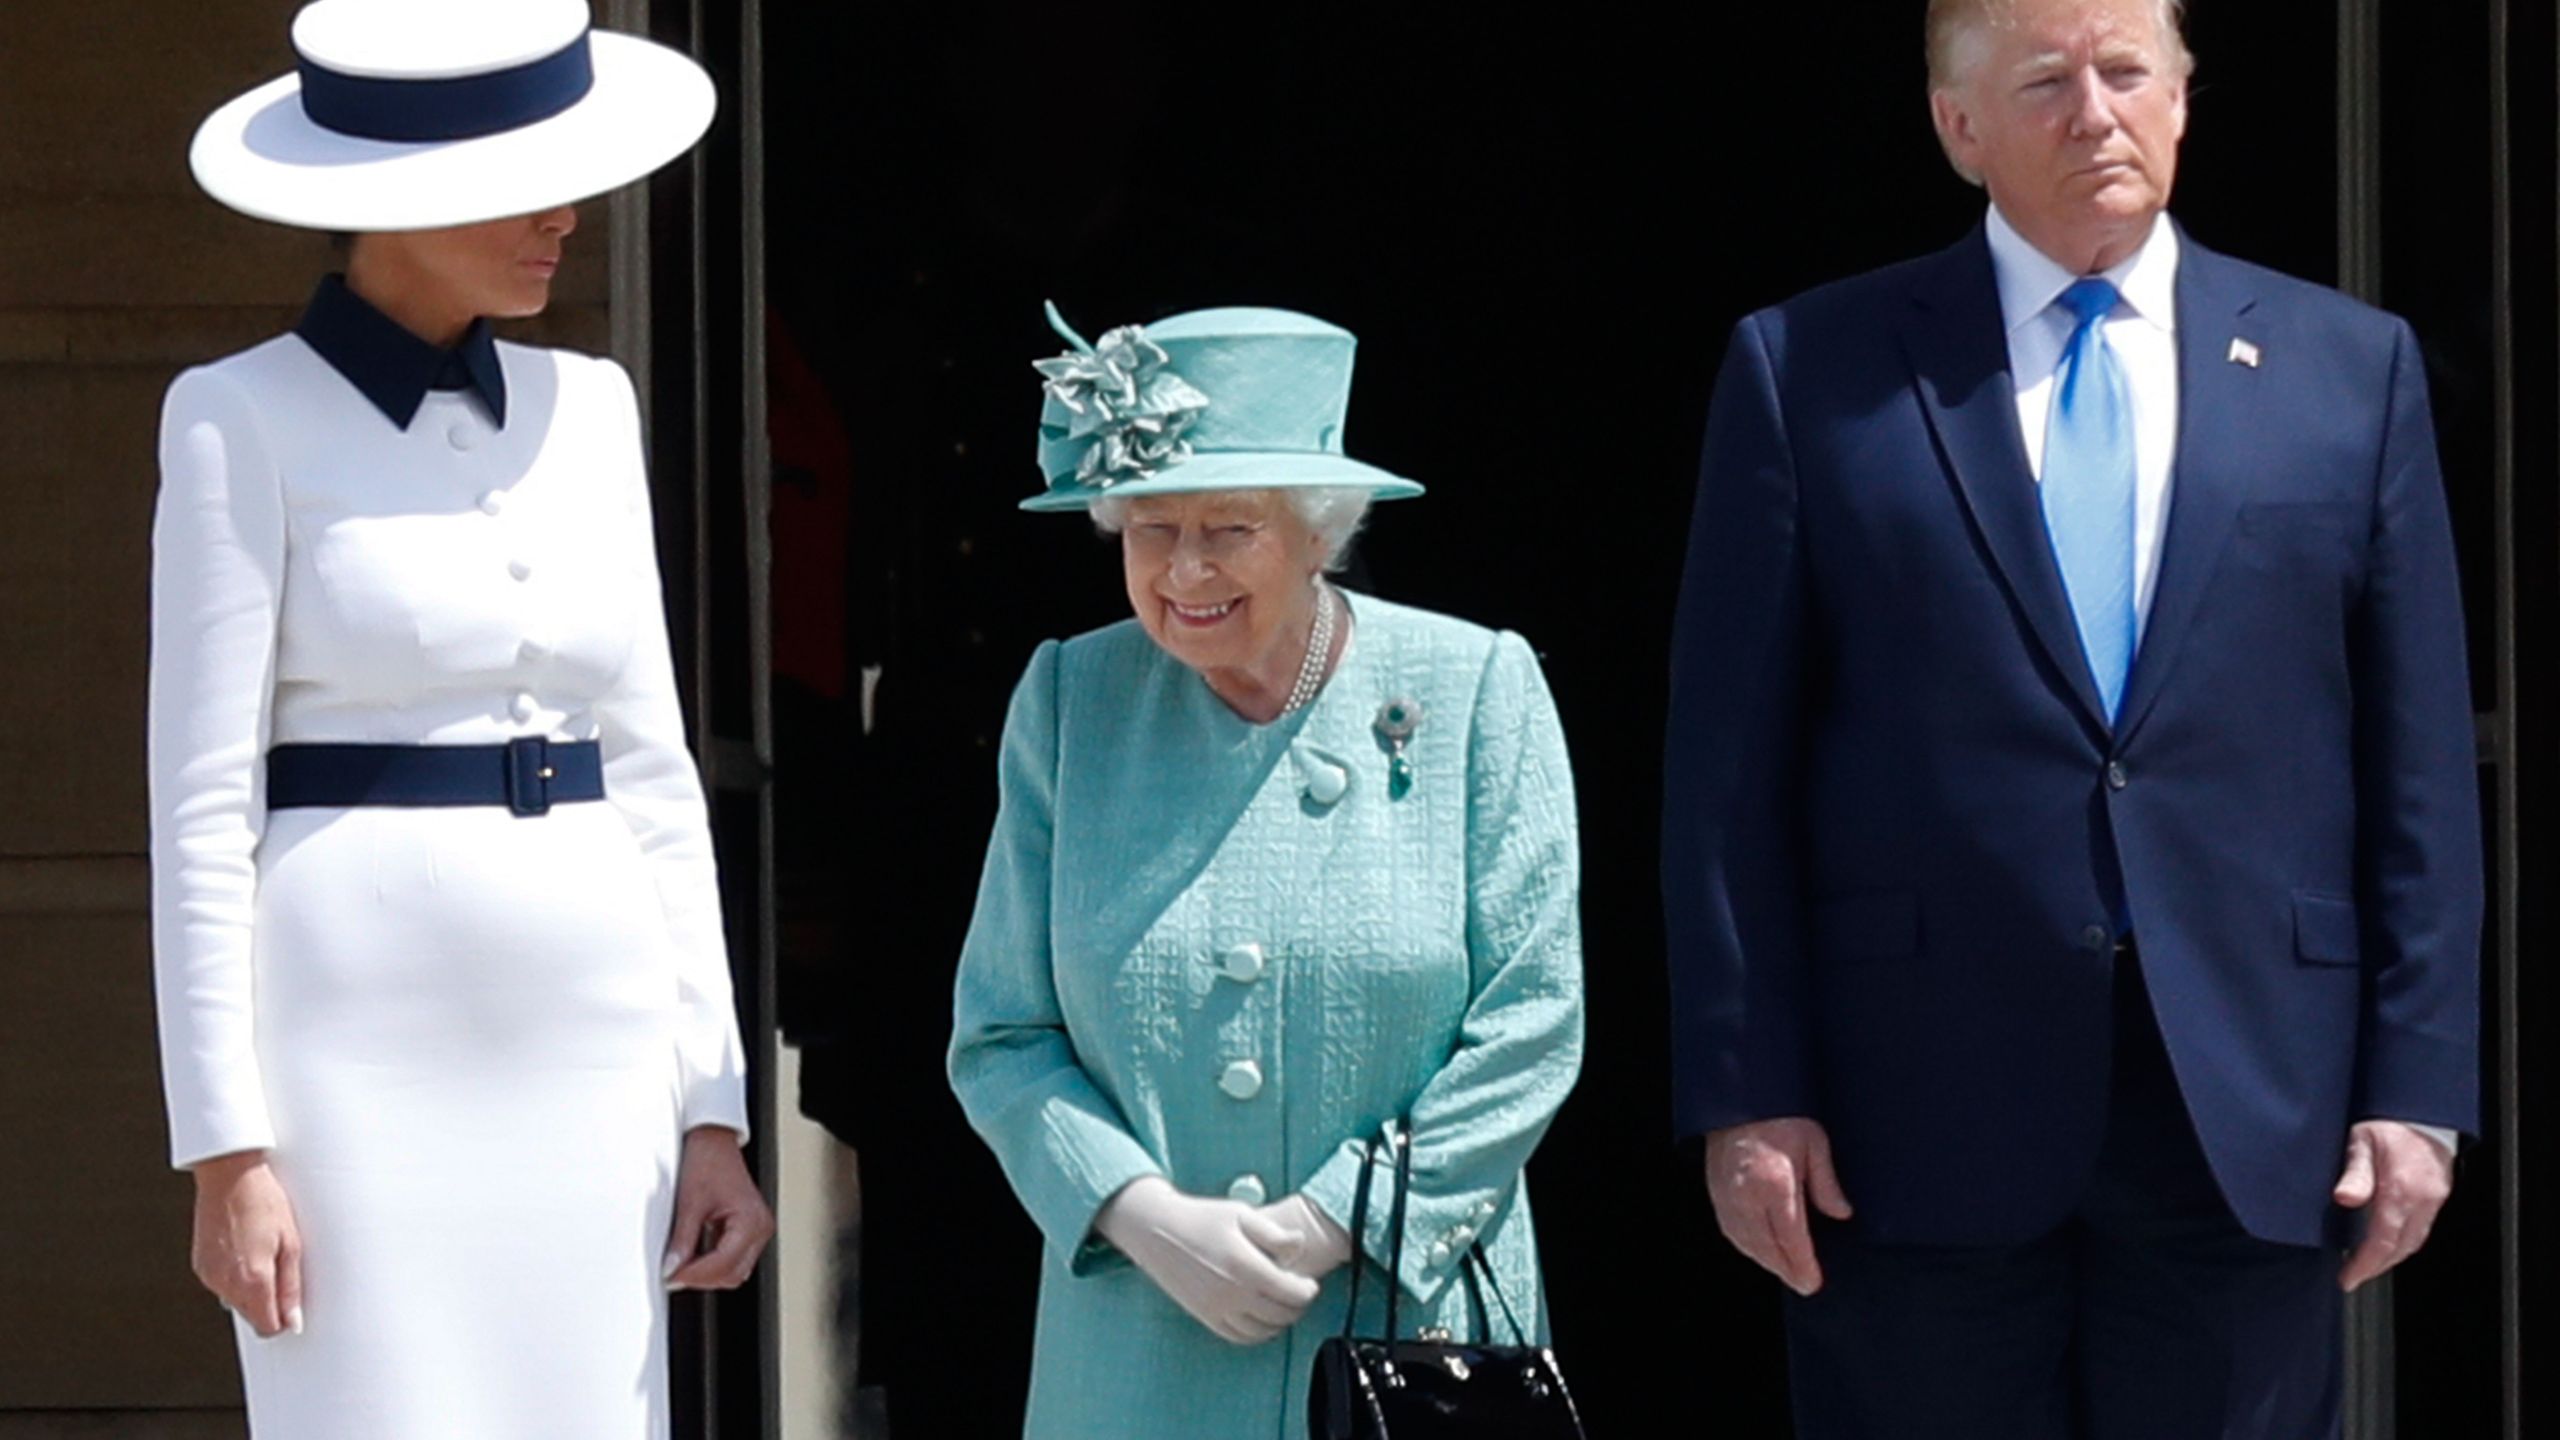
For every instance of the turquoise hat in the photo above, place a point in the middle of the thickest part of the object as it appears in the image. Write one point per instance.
(1233, 399)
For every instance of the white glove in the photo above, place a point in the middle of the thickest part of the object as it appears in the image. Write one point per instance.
(1316, 1246)
(1212, 1257)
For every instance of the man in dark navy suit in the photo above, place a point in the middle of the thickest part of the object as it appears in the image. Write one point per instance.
(2071, 845)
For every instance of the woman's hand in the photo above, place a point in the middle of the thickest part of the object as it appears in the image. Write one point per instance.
(1315, 1246)
(721, 1223)
(248, 1250)
(1211, 1257)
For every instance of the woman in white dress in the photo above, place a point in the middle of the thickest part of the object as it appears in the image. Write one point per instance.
(444, 1004)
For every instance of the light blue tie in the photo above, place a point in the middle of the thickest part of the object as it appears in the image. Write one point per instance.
(2088, 488)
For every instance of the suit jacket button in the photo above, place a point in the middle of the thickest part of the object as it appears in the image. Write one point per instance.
(2117, 779)
(1241, 1080)
(1247, 1189)
(2097, 939)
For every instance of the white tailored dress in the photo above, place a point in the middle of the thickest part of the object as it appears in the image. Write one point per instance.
(470, 1040)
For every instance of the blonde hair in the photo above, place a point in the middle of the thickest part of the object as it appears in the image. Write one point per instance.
(1950, 21)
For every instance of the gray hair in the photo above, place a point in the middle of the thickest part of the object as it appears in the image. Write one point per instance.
(1950, 21)
(1333, 512)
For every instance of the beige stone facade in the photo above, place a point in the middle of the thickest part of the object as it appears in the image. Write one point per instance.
(114, 273)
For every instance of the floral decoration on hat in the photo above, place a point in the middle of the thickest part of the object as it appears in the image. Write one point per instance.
(1126, 400)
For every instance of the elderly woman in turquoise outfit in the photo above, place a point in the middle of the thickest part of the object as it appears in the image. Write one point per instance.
(1275, 866)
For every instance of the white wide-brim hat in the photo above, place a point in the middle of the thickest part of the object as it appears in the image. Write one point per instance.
(419, 114)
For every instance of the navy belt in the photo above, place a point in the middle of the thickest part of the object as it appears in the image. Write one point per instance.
(527, 775)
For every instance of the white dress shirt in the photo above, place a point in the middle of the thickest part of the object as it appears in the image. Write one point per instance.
(2143, 332)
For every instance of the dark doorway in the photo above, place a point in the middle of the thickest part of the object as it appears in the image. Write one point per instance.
(1542, 233)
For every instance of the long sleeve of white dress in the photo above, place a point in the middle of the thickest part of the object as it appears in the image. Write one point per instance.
(217, 580)
(649, 774)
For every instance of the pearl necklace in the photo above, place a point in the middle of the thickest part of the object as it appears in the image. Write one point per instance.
(1319, 651)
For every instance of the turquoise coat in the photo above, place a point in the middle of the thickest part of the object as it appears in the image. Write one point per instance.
(1186, 962)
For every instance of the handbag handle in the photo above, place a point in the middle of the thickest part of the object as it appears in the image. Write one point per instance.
(1389, 1133)
(1360, 1234)
(1403, 1145)
(1476, 1269)
(1477, 1264)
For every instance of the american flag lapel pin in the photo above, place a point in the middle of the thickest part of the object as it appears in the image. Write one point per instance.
(2244, 352)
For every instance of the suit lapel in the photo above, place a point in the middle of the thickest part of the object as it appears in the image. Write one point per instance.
(2216, 398)
(1959, 354)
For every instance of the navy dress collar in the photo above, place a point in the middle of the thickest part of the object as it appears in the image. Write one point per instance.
(392, 367)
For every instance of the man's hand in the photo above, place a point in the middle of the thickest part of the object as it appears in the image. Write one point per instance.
(1758, 1175)
(2400, 1179)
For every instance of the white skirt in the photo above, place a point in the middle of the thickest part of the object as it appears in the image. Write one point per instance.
(467, 1022)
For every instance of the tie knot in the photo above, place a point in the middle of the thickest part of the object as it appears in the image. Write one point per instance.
(2090, 299)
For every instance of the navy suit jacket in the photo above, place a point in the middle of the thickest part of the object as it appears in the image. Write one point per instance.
(1899, 829)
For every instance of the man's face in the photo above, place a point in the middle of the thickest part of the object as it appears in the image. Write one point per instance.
(2071, 112)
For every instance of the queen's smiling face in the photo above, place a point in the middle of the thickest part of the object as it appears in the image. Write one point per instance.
(1224, 581)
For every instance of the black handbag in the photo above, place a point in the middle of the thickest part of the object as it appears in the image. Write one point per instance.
(1433, 1388)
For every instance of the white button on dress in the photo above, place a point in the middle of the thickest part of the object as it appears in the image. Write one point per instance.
(1241, 963)
(1241, 1080)
(492, 501)
(1325, 777)
(463, 437)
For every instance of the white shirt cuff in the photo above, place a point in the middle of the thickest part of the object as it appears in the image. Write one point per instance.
(2444, 1135)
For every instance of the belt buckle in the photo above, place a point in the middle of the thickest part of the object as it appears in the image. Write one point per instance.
(529, 775)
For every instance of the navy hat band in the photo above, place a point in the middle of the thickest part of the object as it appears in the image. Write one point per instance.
(465, 107)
